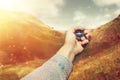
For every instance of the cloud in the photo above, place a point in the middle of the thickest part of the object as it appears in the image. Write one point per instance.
(84, 20)
(46, 10)
(106, 2)
(79, 16)
(43, 9)
(117, 12)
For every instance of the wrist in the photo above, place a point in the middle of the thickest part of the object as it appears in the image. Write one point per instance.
(67, 51)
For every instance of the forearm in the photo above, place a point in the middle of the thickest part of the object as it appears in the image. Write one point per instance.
(56, 68)
(67, 51)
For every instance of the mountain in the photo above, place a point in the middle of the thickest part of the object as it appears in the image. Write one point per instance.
(23, 37)
(101, 58)
(26, 43)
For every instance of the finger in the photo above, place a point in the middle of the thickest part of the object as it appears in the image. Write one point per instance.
(87, 36)
(85, 42)
(83, 38)
(73, 29)
(87, 31)
(76, 27)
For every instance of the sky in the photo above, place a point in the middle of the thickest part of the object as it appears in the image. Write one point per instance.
(64, 14)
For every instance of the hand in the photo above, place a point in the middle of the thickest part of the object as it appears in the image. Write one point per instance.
(77, 46)
(72, 46)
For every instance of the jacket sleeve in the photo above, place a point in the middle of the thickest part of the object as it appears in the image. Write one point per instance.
(56, 68)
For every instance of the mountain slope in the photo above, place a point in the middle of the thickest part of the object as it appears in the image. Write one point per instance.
(101, 59)
(25, 36)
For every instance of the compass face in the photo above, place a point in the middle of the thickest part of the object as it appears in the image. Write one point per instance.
(79, 34)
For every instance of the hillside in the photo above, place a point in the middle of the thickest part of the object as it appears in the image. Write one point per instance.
(23, 38)
(101, 58)
(26, 43)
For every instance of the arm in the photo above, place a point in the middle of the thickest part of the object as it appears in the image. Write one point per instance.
(60, 65)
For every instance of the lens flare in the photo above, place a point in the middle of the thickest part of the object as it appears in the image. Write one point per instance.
(8, 4)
